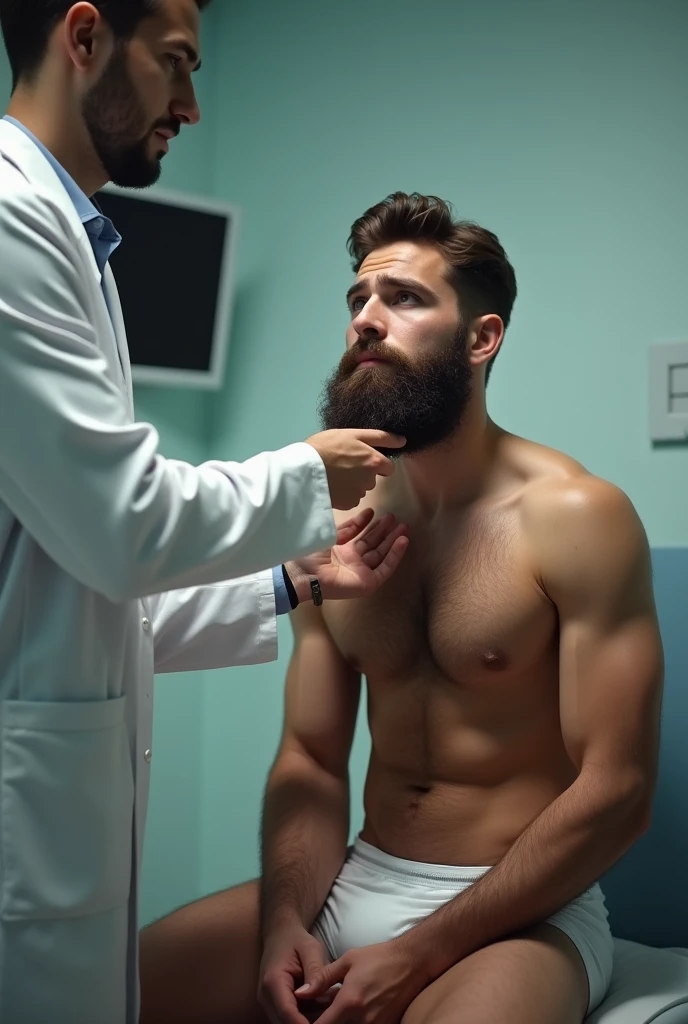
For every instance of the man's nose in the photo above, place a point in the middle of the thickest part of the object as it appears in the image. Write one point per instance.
(370, 323)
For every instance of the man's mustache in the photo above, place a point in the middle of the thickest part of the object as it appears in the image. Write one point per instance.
(374, 349)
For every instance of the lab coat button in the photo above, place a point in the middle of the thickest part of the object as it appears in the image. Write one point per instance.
(146, 625)
(147, 756)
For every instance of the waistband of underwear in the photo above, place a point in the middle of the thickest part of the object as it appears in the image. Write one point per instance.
(412, 870)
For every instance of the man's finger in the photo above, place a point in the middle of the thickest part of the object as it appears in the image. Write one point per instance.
(338, 1012)
(326, 977)
(283, 999)
(313, 962)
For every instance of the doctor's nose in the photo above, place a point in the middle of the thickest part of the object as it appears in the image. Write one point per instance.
(186, 109)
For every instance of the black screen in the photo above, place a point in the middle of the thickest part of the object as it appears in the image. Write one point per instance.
(167, 269)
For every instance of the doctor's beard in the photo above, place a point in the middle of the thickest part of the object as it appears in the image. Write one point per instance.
(423, 401)
(116, 123)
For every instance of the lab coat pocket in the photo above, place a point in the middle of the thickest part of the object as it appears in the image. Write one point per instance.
(66, 809)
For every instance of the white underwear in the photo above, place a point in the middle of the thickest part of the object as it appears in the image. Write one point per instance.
(378, 897)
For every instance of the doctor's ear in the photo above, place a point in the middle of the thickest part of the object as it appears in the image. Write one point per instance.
(87, 37)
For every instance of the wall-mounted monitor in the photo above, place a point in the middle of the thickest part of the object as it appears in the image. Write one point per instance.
(175, 275)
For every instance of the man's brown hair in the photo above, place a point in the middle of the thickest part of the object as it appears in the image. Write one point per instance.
(477, 265)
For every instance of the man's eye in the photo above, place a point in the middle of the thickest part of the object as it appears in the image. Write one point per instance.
(357, 305)
(174, 60)
(407, 298)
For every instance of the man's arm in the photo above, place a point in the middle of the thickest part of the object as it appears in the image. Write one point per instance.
(595, 567)
(306, 811)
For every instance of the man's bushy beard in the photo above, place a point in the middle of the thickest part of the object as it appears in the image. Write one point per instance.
(116, 123)
(424, 401)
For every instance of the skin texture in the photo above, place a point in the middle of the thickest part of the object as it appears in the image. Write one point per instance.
(514, 672)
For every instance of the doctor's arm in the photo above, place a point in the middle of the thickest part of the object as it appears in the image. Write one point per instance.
(233, 623)
(91, 486)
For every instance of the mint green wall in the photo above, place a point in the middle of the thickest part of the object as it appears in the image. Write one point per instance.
(562, 127)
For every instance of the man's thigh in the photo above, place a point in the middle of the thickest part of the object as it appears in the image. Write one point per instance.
(537, 978)
(200, 964)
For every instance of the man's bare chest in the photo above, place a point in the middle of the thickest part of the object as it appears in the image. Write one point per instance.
(465, 604)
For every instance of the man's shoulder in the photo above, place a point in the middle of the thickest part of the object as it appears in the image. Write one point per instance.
(570, 517)
(581, 530)
(558, 488)
(575, 499)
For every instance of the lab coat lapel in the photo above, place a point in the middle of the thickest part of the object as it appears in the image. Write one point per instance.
(117, 319)
(111, 339)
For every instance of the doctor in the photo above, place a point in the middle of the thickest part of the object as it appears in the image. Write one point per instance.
(113, 559)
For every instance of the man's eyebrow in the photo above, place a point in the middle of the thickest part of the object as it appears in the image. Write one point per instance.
(188, 50)
(390, 281)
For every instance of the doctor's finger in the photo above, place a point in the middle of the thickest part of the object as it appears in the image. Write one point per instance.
(373, 558)
(376, 532)
(352, 527)
(390, 563)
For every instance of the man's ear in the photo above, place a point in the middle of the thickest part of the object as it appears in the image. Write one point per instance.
(484, 338)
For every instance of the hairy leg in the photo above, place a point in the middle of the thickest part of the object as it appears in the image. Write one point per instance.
(200, 964)
(535, 978)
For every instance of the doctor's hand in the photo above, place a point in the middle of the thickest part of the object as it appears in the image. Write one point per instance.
(366, 554)
(352, 463)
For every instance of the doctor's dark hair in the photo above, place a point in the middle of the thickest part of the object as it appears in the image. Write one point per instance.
(477, 266)
(27, 25)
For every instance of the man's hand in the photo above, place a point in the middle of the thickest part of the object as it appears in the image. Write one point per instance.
(352, 463)
(291, 957)
(365, 556)
(378, 984)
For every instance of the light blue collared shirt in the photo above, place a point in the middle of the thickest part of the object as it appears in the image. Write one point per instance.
(282, 602)
(104, 240)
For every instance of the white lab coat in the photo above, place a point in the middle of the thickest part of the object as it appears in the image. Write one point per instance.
(98, 533)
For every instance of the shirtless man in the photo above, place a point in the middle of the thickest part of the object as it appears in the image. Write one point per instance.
(514, 672)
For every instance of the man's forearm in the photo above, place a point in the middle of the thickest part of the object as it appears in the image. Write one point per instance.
(304, 837)
(563, 852)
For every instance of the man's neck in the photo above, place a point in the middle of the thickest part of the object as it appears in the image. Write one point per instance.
(459, 470)
(65, 137)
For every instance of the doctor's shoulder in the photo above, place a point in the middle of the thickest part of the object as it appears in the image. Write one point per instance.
(28, 201)
(34, 231)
